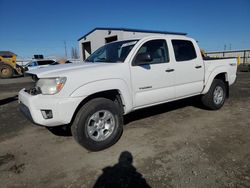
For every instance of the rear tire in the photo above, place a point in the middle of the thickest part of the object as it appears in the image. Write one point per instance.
(98, 124)
(214, 99)
(6, 71)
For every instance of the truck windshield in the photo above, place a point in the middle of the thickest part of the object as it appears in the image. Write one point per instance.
(112, 53)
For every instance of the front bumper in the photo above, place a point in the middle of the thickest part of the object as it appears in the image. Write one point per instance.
(26, 112)
(62, 108)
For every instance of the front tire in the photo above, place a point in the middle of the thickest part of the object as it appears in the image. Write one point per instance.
(6, 71)
(214, 99)
(98, 124)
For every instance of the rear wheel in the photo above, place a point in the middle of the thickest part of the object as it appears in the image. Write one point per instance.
(215, 97)
(98, 124)
(6, 71)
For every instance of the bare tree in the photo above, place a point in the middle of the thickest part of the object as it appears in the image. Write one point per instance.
(74, 53)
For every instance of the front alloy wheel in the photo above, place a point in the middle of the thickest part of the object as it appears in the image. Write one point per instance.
(101, 125)
(98, 124)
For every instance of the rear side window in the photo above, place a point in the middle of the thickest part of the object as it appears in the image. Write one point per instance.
(183, 50)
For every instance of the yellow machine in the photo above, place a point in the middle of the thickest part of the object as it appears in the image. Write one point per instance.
(8, 65)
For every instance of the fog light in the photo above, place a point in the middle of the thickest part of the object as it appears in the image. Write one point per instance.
(47, 114)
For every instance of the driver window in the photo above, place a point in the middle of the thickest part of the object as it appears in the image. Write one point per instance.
(157, 49)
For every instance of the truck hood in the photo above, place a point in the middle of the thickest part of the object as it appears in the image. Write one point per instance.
(66, 69)
(80, 74)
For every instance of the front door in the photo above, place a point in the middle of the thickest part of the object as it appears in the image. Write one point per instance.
(153, 79)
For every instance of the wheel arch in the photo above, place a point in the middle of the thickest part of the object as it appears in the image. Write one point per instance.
(224, 77)
(113, 94)
(220, 74)
(104, 86)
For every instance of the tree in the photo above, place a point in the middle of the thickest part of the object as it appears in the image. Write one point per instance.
(74, 53)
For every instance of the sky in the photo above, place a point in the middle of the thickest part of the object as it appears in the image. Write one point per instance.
(29, 27)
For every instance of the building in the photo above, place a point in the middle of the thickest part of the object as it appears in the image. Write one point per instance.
(100, 36)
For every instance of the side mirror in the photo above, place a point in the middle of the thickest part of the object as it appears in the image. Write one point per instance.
(142, 59)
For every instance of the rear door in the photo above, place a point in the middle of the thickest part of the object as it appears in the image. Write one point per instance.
(152, 82)
(189, 68)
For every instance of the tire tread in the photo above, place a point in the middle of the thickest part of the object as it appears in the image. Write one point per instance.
(76, 128)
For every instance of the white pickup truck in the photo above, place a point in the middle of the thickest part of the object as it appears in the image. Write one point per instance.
(121, 77)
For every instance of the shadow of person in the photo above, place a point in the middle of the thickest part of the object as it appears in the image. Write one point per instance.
(121, 175)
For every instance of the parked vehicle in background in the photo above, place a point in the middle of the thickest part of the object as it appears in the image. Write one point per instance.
(61, 61)
(35, 64)
(8, 65)
(121, 77)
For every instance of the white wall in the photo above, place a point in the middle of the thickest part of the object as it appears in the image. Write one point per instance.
(97, 39)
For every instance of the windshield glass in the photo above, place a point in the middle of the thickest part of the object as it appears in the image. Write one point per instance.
(113, 52)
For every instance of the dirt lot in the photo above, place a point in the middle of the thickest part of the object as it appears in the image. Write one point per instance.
(173, 145)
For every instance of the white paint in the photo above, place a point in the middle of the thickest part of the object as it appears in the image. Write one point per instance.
(138, 86)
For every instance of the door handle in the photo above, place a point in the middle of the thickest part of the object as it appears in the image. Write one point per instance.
(198, 67)
(169, 70)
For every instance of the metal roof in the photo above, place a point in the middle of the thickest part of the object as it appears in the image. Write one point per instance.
(133, 30)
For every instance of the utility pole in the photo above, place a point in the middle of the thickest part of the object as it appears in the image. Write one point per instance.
(65, 49)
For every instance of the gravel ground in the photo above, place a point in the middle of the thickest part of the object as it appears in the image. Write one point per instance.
(178, 144)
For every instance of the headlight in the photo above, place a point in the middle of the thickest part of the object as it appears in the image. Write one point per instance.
(50, 86)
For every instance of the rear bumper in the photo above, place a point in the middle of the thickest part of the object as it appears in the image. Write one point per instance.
(62, 108)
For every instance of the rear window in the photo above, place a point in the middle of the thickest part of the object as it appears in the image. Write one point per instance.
(45, 62)
(183, 50)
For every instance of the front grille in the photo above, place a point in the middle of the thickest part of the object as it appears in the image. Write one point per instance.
(31, 88)
(33, 91)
